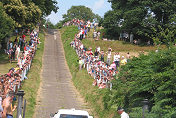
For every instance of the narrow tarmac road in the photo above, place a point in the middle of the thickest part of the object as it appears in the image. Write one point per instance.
(57, 90)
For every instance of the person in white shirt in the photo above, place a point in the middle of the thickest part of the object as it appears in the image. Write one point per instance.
(109, 56)
(18, 52)
(117, 59)
(122, 113)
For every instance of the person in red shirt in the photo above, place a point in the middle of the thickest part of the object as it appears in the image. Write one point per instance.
(23, 37)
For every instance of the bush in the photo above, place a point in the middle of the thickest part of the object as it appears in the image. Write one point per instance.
(149, 77)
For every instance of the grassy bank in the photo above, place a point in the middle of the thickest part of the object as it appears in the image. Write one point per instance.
(81, 79)
(116, 45)
(31, 85)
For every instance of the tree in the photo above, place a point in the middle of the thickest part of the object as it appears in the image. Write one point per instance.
(79, 12)
(6, 23)
(111, 23)
(141, 16)
(46, 6)
(149, 77)
(24, 13)
(33, 15)
(16, 10)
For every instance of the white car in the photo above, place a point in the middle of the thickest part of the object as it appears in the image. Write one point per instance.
(71, 113)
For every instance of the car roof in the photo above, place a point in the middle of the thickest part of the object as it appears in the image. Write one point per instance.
(73, 112)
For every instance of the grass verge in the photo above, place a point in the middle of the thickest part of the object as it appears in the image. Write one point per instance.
(116, 45)
(81, 79)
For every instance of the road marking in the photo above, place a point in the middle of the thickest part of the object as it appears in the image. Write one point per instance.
(55, 35)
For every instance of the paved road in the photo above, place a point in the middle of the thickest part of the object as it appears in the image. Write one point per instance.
(57, 90)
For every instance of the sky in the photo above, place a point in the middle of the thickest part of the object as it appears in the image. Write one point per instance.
(98, 7)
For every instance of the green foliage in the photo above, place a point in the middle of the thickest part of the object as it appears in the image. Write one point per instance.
(59, 25)
(16, 10)
(51, 25)
(46, 6)
(166, 36)
(80, 12)
(33, 15)
(140, 16)
(149, 77)
(6, 23)
(24, 13)
(111, 25)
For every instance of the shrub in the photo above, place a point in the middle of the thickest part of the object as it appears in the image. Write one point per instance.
(149, 77)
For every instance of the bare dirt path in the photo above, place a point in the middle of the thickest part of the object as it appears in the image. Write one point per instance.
(57, 90)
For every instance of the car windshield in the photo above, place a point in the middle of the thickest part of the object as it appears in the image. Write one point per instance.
(72, 116)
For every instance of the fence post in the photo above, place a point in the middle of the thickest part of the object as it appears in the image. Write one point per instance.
(20, 94)
(24, 108)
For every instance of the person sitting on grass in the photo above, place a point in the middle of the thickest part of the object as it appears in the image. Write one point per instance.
(123, 61)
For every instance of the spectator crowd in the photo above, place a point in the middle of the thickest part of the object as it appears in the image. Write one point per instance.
(84, 27)
(10, 83)
(94, 62)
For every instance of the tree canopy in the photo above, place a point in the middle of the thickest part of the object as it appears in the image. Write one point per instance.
(23, 14)
(140, 16)
(46, 6)
(80, 12)
(27, 13)
(149, 77)
(6, 23)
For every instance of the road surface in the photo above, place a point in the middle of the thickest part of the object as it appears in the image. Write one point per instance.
(56, 90)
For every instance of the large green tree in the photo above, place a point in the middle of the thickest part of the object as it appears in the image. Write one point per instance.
(149, 77)
(6, 23)
(33, 15)
(140, 16)
(16, 10)
(47, 6)
(80, 12)
(27, 13)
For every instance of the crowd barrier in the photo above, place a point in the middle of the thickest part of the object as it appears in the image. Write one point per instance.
(11, 82)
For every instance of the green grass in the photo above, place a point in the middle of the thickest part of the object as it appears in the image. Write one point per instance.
(117, 46)
(81, 79)
(5, 65)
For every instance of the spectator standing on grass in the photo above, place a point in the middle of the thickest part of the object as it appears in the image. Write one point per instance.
(11, 44)
(20, 42)
(96, 53)
(117, 59)
(13, 52)
(98, 35)
(128, 57)
(94, 34)
(109, 56)
(122, 113)
(10, 54)
(16, 41)
(98, 49)
(80, 63)
(102, 55)
(89, 24)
